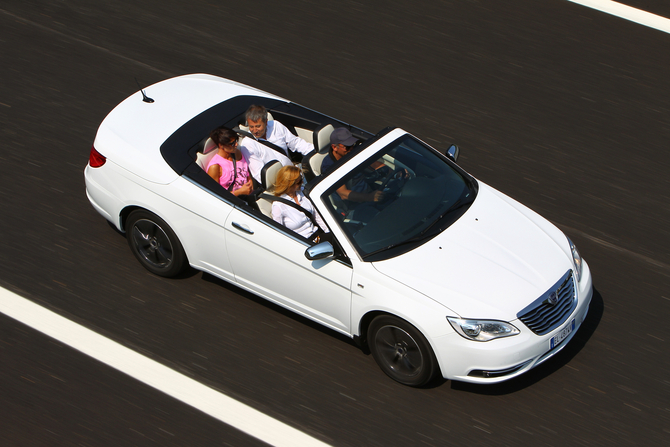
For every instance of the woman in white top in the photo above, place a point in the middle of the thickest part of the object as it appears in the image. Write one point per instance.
(287, 186)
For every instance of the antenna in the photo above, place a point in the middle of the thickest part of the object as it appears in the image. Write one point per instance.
(145, 98)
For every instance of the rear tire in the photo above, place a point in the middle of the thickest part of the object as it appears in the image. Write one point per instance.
(401, 351)
(154, 244)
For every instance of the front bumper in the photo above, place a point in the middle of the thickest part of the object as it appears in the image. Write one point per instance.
(503, 359)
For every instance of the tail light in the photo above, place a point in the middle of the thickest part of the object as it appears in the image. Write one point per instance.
(95, 160)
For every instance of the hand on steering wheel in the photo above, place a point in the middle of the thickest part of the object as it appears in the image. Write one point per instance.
(394, 175)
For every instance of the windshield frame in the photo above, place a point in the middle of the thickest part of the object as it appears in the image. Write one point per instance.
(450, 212)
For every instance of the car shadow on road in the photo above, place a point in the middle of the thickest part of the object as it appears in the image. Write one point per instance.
(188, 272)
(277, 308)
(549, 367)
(525, 380)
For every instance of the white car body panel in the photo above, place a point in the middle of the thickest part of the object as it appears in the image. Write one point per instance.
(276, 268)
(513, 251)
(491, 263)
(526, 348)
(134, 130)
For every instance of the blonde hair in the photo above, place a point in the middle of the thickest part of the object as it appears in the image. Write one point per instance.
(286, 178)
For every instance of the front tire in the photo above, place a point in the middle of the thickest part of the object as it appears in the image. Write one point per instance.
(154, 244)
(401, 351)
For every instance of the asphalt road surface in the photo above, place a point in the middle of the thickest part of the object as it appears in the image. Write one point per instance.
(564, 108)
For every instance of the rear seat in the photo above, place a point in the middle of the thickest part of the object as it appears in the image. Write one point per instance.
(268, 177)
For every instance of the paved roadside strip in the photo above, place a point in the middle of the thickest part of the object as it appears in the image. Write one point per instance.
(627, 12)
(152, 373)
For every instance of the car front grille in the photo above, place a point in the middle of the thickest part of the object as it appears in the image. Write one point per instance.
(551, 309)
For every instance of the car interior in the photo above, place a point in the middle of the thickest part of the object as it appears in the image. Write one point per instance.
(310, 126)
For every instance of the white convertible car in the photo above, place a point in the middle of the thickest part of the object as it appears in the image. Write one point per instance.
(444, 276)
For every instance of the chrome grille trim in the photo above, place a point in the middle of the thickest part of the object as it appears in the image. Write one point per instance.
(541, 316)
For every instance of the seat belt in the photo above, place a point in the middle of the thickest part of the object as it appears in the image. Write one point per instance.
(271, 198)
(230, 187)
(264, 142)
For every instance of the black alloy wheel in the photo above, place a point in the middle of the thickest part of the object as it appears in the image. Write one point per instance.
(401, 351)
(154, 244)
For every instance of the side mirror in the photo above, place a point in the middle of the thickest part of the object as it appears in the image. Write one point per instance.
(453, 152)
(320, 251)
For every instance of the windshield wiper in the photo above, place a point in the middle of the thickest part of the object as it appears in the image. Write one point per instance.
(457, 205)
(422, 235)
(397, 244)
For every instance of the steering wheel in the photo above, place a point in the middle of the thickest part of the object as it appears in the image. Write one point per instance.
(395, 174)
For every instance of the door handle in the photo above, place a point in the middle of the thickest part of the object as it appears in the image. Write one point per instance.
(243, 228)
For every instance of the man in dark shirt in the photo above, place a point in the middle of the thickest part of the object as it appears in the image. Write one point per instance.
(341, 142)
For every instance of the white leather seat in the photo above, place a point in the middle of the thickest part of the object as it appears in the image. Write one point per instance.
(208, 151)
(321, 137)
(268, 177)
(322, 145)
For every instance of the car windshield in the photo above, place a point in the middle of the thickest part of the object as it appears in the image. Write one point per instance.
(402, 197)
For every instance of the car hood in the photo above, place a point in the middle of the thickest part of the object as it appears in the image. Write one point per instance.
(495, 260)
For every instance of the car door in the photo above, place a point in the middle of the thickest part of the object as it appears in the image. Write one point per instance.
(272, 263)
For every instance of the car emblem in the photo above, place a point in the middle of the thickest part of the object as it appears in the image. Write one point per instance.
(553, 299)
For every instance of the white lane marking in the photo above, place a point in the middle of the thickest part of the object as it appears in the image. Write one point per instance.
(154, 374)
(627, 12)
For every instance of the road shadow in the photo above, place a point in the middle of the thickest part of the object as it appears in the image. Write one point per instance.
(531, 377)
(550, 366)
(189, 272)
(277, 308)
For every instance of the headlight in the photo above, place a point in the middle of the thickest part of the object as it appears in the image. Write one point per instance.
(576, 259)
(482, 330)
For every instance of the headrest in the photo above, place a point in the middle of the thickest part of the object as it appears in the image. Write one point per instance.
(208, 152)
(269, 173)
(209, 146)
(322, 137)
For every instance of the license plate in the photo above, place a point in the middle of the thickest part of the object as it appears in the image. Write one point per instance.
(558, 338)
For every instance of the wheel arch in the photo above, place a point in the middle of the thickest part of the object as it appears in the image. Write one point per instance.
(125, 212)
(364, 324)
(128, 210)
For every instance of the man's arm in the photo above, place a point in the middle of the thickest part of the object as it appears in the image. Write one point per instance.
(294, 143)
(258, 155)
(347, 194)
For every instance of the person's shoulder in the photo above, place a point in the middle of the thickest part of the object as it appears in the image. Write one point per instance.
(276, 125)
(327, 162)
(248, 144)
(245, 155)
(278, 205)
(215, 160)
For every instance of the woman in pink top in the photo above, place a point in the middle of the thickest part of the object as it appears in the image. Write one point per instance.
(228, 166)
